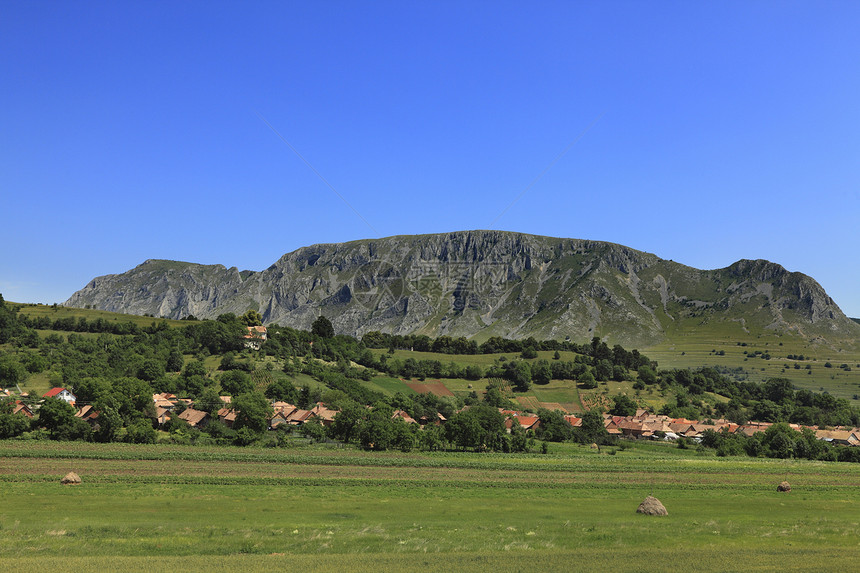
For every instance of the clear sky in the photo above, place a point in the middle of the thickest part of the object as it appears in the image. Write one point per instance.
(704, 132)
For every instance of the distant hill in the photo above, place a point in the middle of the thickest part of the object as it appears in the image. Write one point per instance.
(484, 283)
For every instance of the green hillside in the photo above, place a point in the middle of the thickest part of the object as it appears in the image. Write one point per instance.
(726, 346)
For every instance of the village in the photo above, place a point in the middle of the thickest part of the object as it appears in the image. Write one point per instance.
(643, 425)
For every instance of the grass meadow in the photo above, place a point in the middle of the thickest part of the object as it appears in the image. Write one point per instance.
(700, 347)
(142, 508)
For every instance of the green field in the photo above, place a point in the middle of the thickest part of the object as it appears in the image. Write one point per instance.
(145, 507)
(695, 347)
(54, 312)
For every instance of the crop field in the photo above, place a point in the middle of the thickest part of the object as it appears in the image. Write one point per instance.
(434, 387)
(141, 508)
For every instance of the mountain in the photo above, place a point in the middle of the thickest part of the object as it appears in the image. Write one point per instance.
(482, 283)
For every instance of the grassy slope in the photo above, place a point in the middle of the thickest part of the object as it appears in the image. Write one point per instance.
(689, 344)
(693, 345)
(325, 509)
(55, 312)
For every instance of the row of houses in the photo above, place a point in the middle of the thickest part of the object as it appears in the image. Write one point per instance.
(642, 425)
(283, 412)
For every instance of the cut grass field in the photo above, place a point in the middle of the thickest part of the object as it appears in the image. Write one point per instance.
(143, 507)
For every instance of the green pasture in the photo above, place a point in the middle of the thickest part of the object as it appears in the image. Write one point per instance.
(144, 507)
(695, 348)
(388, 385)
(55, 312)
(483, 360)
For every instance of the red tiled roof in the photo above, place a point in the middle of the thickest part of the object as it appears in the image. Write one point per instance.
(403, 414)
(192, 416)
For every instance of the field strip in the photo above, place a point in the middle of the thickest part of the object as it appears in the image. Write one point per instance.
(149, 471)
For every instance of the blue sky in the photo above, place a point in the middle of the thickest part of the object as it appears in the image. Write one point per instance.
(708, 132)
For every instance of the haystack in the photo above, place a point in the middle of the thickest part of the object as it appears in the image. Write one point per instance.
(784, 486)
(651, 506)
(71, 479)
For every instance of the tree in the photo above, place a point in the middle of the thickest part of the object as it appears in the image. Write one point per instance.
(12, 372)
(252, 411)
(346, 422)
(55, 414)
(473, 372)
(622, 405)
(175, 361)
(778, 441)
(592, 429)
(109, 421)
(209, 401)
(313, 430)
(11, 425)
(432, 438)
(647, 375)
(603, 370)
(494, 398)
(195, 368)
(133, 398)
(479, 427)
(151, 369)
(245, 437)
(283, 390)
(553, 426)
(586, 379)
(252, 318)
(322, 327)
(75, 429)
(235, 382)
(519, 375)
(9, 324)
(140, 432)
(541, 372)
(778, 390)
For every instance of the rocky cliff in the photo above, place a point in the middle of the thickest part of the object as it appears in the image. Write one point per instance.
(481, 283)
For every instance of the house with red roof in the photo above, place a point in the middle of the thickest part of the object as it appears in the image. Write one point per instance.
(256, 337)
(195, 418)
(60, 394)
(88, 414)
(23, 409)
(405, 415)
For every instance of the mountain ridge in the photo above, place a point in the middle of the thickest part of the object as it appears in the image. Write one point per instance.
(481, 283)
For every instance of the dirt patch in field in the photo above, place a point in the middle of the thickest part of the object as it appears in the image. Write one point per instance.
(572, 407)
(528, 402)
(553, 406)
(436, 388)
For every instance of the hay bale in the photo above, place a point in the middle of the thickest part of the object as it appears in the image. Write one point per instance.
(784, 486)
(652, 506)
(71, 479)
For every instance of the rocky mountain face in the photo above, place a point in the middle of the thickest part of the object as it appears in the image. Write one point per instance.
(482, 283)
